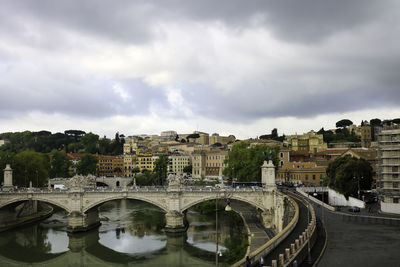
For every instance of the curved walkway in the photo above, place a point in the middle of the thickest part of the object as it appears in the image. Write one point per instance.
(259, 235)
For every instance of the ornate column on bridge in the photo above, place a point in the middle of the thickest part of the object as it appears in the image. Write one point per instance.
(79, 221)
(269, 188)
(268, 174)
(174, 217)
(8, 183)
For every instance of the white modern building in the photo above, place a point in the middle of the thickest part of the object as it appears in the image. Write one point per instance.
(388, 169)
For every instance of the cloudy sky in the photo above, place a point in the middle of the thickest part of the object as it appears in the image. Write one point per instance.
(228, 66)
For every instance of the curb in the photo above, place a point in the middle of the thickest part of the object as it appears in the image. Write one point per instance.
(323, 248)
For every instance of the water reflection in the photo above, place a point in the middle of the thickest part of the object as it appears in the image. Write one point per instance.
(131, 234)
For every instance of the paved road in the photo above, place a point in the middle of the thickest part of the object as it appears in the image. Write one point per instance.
(356, 241)
(298, 230)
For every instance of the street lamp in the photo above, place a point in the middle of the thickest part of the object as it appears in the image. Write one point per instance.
(358, 184)
(227, 208)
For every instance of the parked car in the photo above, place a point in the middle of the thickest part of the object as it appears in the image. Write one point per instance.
(354, 209)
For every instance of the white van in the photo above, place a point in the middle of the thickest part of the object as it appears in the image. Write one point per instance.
(60, 187)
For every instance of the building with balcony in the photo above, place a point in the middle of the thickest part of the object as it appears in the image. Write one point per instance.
(388, 169)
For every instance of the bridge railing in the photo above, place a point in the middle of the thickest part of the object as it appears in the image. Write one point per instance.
(134, 189)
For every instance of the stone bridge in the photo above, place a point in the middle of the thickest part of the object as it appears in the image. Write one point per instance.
(82, 205)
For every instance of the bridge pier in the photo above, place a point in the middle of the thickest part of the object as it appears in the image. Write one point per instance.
(81, 222)
(175, 222)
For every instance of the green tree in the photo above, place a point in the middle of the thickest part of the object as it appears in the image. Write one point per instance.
(87, 165)
(343, 123)
(161, 169)
(375, 122)
(346, 172)
(59, 164)
(30, 166)
(146, 178)
(245, 163)
(91, 143)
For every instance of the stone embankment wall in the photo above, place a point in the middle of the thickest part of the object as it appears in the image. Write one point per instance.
(23, 214)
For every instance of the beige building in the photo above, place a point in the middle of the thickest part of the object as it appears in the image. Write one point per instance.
(366, 136)
(130, 145)
(304, 172)
(177, 163)
(308, 142)
(388, 169)
(203, 139)
(130, 163)
(356, 129)
(216, 138)
(208, 164)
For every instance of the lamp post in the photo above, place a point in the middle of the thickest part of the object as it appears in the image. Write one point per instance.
(227, 208)
(358, 184)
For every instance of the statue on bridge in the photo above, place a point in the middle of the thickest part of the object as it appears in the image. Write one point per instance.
(266, 156)
(174, 180)
(79, 181)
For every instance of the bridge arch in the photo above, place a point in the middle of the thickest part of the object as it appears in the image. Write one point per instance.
(201, 199)
(102, 201)
(46, 200)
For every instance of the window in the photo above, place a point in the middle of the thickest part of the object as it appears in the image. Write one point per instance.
(395, 200)
(395, 169)
(281, 155)
(395, 176)
(306, 176)
(313, 176)
(395, 184)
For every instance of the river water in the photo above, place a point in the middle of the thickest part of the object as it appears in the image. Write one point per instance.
(131, 234)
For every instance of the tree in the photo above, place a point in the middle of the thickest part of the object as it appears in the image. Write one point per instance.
(59, 164)
(146, 178)
(343, 123)
(188, 168)
(245, 163)
(91, 143)
(192, 136)
(346, 172)
(396, 121)
(375, 122)
(77, 134)
(136, 170)
(87, 165)
(161, 169)
(30, 166)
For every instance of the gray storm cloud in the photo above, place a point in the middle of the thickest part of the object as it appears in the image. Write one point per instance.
(345, 57)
